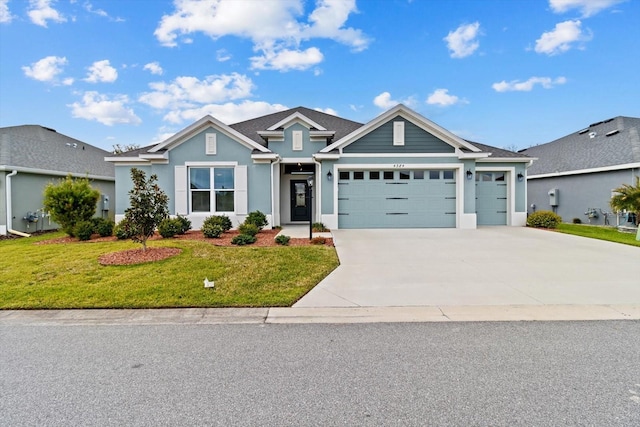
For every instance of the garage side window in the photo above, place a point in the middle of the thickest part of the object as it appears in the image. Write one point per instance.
(387, 175)
(448, 175)
(201, 183)
(418, 174)
(374, 175)
(344, 175)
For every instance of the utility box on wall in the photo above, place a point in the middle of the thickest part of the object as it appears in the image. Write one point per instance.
(554, 196)
(105, 202)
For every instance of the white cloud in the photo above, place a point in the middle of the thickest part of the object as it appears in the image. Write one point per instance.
(327, 111)
(442, 98)
(561, 38)
(278, 35)
(40, 11)
(528, 85)
(47, 70)
(385, 102)
(286, 60)
(101, 108)
(227, 113)
(154, 68)
(101, 71)
(187, 92)
(462, 42)
(222, 55)
(5, 14)
(586, 7)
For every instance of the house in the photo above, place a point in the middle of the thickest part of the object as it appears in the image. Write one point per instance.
(400, 170)
(576, 174)
(33, 156)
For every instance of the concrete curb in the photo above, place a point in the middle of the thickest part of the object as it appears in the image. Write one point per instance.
(278, 315)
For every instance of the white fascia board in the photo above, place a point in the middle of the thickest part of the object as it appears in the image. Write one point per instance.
(410, 115)
(265, 156)
(321, 133)
(161, 156)
(387, 155)
(203, 123)
(583, 171)
(297, 117)
(505, 160)
(326, 156)
(462, 155)
(294, 160)
(37, 171)
(136, 160)
(270, 133)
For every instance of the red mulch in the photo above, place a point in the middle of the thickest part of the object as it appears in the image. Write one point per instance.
(266, 238)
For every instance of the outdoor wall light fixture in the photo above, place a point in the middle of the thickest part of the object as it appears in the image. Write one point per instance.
(469, 174)
(520, 176)
(329, 176)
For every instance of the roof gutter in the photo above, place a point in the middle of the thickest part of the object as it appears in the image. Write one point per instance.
(9, 213)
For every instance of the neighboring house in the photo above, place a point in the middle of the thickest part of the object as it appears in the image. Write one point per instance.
(399, 170)
(33, 156)
(583, 168)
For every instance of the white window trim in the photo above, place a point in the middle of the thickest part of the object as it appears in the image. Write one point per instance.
(211, 190)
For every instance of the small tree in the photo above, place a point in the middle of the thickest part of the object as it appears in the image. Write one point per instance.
(119, 149)
(148, 206)
(627, 198)
(70, 201)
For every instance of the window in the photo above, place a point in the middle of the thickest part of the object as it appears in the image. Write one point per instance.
(344, 175)
(487, 177)
(447, 175)
(434, 174)
(374, 175)
(358, 175)
(499, 176)
(388, 174)
(203, 180)
(418, 174)
(405, 175)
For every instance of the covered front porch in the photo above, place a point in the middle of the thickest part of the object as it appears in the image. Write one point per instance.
(295, 193)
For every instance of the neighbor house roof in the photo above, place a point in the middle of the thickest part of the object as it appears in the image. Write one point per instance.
(41, 149)
(604, 144)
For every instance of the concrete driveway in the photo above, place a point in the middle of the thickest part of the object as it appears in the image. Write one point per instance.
(487, 266)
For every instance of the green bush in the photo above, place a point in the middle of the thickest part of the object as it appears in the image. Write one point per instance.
(249, 229)
(577, 221)
(169, 227)
(83, 230)
(257, 218)
(283, 240)
(243, 239)
(212, 230)
(121, 230)
(319, 227)
(185, 224)
(222, 220)
(70, 202)
(102, 226)
(544, 219)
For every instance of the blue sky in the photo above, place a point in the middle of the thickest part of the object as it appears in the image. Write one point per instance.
(507, 73)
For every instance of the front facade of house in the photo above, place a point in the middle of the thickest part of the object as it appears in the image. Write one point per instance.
(400, 170)
(33, 156)
(575, 175)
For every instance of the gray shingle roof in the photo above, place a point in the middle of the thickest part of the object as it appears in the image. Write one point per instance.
(497, 152)
(595, 146)
(250, 128)
(37, 147)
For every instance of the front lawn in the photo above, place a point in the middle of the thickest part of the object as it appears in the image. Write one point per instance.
(610, 234)
(68, 275)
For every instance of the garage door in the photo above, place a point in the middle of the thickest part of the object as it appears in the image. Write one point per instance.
(396, 199)
(491, 198)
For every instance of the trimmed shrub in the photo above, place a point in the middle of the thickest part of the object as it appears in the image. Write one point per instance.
(83, 230)
(121, 230)
(318, 241)
(185, 224)
(577, 221)
(70, 201)
(222, 220)
(212, 231)
(544, 219)
(103, 226)
(257, 218)
(249, 229)
(319, 227)
(243, 239)
(169, 227)
(283, 240)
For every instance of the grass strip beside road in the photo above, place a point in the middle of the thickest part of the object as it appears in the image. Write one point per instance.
(57, 276)
(610, 234)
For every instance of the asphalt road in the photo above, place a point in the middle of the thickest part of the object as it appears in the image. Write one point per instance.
(427, 374)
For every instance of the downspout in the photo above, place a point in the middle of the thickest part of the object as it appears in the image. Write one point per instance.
(273, 193)
(9, 213)
(318, 207)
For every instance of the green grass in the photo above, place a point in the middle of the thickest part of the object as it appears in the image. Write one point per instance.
(55, 276)
(610, 234)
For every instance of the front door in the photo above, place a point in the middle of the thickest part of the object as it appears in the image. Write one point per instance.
(299, 201)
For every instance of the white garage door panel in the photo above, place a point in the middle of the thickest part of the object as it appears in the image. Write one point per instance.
(396, 203)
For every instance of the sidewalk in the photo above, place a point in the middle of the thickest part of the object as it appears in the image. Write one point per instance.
(214, 316)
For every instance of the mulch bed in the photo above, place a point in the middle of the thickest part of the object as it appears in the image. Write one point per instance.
(266, 238)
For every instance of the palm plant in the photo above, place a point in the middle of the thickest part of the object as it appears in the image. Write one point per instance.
(627, 197)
